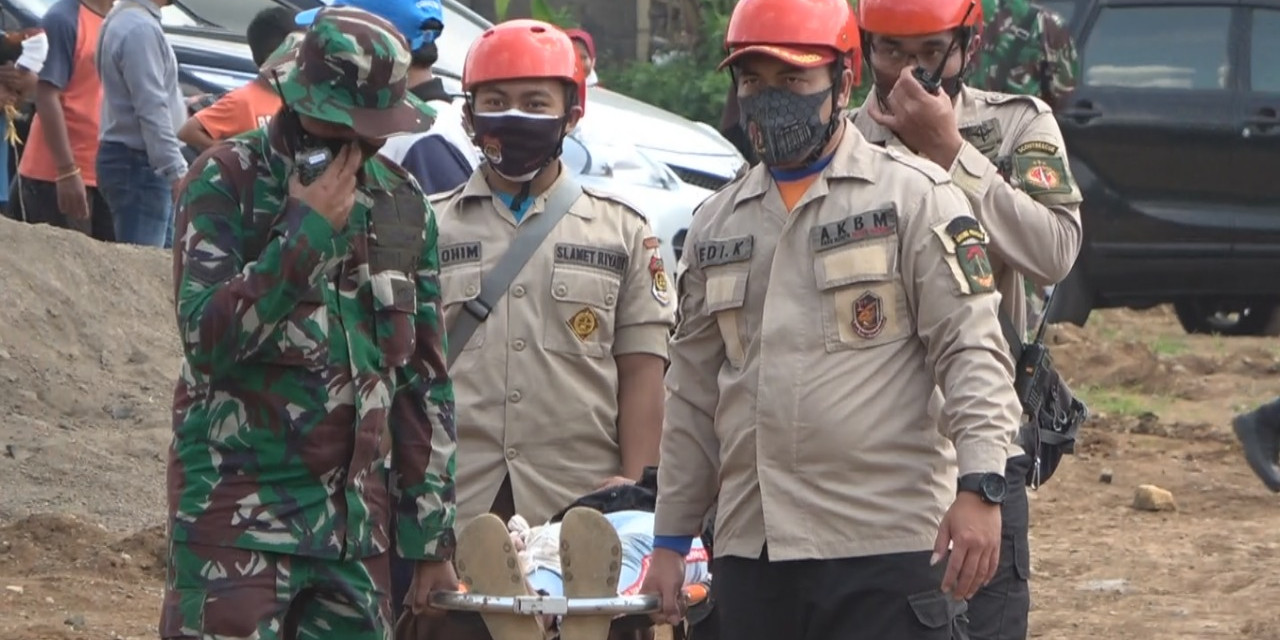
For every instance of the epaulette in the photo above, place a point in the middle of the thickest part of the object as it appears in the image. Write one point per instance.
(436, 198)
(995, 97)
(601, 194)
(933, 172)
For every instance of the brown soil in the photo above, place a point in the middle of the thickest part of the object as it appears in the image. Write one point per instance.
(88, 356)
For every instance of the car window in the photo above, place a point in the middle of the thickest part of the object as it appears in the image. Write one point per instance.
(1264, 62)
(232, 15)
(1159, 47)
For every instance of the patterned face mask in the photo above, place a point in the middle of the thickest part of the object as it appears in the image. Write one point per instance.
(784, 126)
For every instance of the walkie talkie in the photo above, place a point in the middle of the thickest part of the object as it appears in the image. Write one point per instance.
(1035, 365)
(933, 83)
(311, 157)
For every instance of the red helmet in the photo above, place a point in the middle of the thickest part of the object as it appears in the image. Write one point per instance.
(523, 49)
(905, 18)
(805, 33)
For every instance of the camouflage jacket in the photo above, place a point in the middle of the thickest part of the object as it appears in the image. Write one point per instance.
(314, 360)
(1026, 49)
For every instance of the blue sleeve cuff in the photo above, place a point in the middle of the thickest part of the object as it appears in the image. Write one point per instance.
(678, 544)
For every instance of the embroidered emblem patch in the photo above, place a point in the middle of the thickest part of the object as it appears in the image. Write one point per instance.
(584, 323)
(971, 253)
(868, 315)
(1042, 174)
(1037, 146)
(661, 286)
(492, 149)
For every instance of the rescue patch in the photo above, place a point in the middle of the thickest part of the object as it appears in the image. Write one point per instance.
(592, 257)
(869, 225)
(1037, 146)
(460, 253)
(985, 136)
(971, 253)
(868, 315)
(661, 287)
(730, 250)
(1039, 174)
(584, 323)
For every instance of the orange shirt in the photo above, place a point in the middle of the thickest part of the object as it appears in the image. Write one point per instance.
(72, 29)
(240, 110)
(792, 190)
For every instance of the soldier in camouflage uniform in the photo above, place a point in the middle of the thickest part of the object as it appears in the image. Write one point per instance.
(1027, 50)
(314, 357)
(1006, 153)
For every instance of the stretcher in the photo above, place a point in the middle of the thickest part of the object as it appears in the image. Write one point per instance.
(493, 585)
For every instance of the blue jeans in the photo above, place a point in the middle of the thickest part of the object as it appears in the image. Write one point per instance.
(141, 201)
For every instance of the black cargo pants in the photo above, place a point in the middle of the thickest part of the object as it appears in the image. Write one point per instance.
(885, 597)
(999, 610)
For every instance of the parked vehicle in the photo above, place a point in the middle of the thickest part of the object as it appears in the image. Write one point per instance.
(1174, 137)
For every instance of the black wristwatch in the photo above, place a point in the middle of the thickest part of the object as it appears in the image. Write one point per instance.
(991, 487)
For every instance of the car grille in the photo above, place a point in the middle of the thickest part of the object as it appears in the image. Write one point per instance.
(698, 178)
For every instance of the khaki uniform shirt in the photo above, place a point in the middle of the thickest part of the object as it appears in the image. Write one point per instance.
(1014, 169)
(537, 384)
(806, 347)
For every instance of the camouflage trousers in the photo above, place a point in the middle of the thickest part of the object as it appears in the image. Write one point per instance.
(222, 593)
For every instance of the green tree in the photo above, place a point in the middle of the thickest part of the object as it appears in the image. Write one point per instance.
(684, 79)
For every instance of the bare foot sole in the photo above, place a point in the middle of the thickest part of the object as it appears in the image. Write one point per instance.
(590, 561)
(487, 565)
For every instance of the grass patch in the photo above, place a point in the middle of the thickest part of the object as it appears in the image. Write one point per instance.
(1168, 346)
(1121, 401)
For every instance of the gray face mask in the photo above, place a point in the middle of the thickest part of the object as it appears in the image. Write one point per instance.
(784, 126)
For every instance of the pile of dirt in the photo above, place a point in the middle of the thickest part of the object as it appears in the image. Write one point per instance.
(88, 355)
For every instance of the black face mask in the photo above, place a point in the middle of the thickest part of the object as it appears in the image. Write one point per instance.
(784, 127)
(517, 144)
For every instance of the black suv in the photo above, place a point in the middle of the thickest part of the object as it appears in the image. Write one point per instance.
(1174, 136)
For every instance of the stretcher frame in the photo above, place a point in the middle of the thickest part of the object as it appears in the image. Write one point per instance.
(536, 605)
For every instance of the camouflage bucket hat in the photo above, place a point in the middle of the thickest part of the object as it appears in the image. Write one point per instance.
(352, 69)
(282, 61)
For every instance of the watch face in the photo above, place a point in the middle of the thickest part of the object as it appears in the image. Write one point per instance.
(994, 487)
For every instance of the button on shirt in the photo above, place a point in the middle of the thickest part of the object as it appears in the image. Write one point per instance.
(806, 348)
(537, 383)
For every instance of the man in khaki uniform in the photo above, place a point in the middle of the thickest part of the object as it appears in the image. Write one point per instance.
(1006, 153)
(822, 297)
(560, 388)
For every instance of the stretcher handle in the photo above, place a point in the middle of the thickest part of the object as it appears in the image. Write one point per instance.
(552, 605)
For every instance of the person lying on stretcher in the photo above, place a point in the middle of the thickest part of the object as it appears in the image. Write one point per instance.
(586, 555)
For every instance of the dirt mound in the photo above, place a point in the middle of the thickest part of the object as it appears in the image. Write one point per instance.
(88, 352)
(46, 544)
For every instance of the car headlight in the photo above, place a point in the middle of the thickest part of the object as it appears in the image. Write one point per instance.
(602, 157)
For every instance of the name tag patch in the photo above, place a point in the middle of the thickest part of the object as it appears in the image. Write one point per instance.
(730, 250)
(879, 223)
(592, 257)
(460, 253)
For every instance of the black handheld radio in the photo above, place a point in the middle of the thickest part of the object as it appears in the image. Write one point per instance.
(933, 82)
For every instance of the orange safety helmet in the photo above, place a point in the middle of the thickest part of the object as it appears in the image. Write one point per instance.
(906, 18)
(805, 33)
(523, 49)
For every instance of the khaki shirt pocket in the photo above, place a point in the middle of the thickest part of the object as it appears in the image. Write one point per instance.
(585, 307)
(726, 295)
(458, 286)
(302, 338)
(395, 304)
(864, 304)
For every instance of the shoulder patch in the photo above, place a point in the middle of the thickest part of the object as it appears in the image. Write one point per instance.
(616, 199)
(964, 244)
(933, 172)
(1038, 174)
(1036, 146)
(993, 97)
